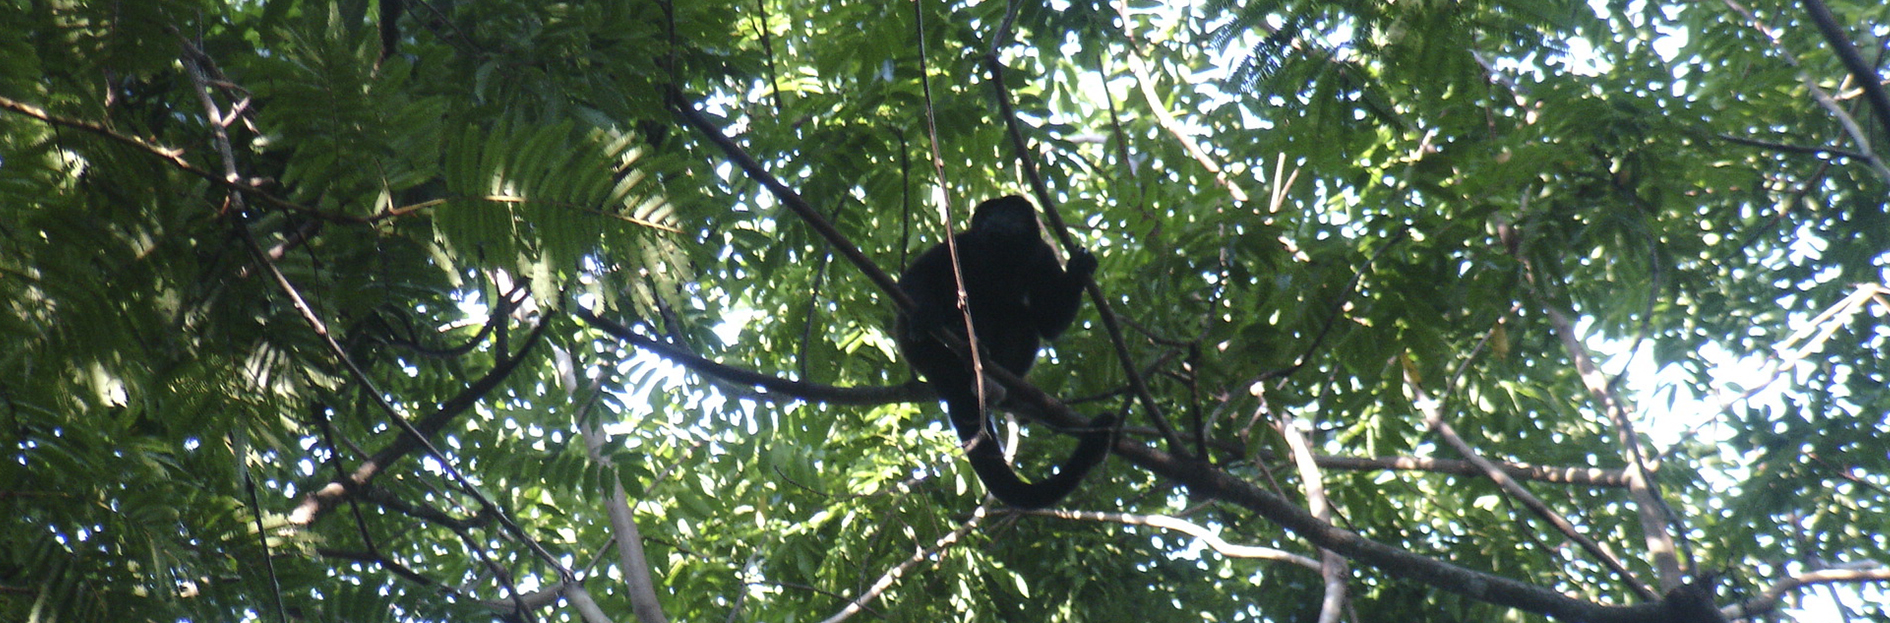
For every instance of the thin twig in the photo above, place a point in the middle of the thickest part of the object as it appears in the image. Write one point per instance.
(173, 156)
(892, 575)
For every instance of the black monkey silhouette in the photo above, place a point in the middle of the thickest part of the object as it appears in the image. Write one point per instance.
(1017, 295)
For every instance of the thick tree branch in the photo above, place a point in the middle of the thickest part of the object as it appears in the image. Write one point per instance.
(1332, 568)
(1656, 518)
(632, 562)
(1642, 487)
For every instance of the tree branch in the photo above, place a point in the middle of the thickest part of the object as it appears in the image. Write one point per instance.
(1332, 567)
(1137, 385)
(1769, 601)
(1520, 471)
(1434, 418)
(173, 156)
(777, 389)
(1867, 76)
(632, 563)
(1791, 149)
(886, 579)
(1211, 481)
(1208, 537)
(1824, 99)
(789, 198)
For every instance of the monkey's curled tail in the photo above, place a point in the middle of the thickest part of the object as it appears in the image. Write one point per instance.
(987, 458)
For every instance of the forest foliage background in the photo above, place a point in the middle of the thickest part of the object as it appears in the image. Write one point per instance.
(1511, 310)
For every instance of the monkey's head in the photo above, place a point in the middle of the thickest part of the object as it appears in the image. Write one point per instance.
(1009, 218)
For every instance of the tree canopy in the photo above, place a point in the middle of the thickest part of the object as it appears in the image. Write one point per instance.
(1519, 310)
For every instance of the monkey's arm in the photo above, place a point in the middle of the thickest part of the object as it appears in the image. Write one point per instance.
(1056, 294)
(934, 292)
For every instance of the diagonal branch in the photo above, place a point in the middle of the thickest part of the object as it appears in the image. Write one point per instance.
(1137, 385)
(1867, 76)
(886, 579)
(789, 198)
(1434, 418)
(1830, 104)
(173, 156)
(1332, 568)
(1146, 84)
(633, 563)
(319, 501)
(1642, 487)
(417, 435)
(777, 389)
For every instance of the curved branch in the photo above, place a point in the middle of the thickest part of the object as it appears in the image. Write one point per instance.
(1768, 602)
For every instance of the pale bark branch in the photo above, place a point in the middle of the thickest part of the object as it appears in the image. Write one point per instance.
(892, 575)
(1208, 537)
(632, 562)
(1769, 600)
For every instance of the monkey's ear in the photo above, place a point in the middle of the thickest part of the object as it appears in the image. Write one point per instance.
(1082, 264)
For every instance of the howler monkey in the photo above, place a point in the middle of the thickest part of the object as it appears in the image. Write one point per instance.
(1017, 294)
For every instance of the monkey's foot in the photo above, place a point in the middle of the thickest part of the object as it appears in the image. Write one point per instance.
(994, 392)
